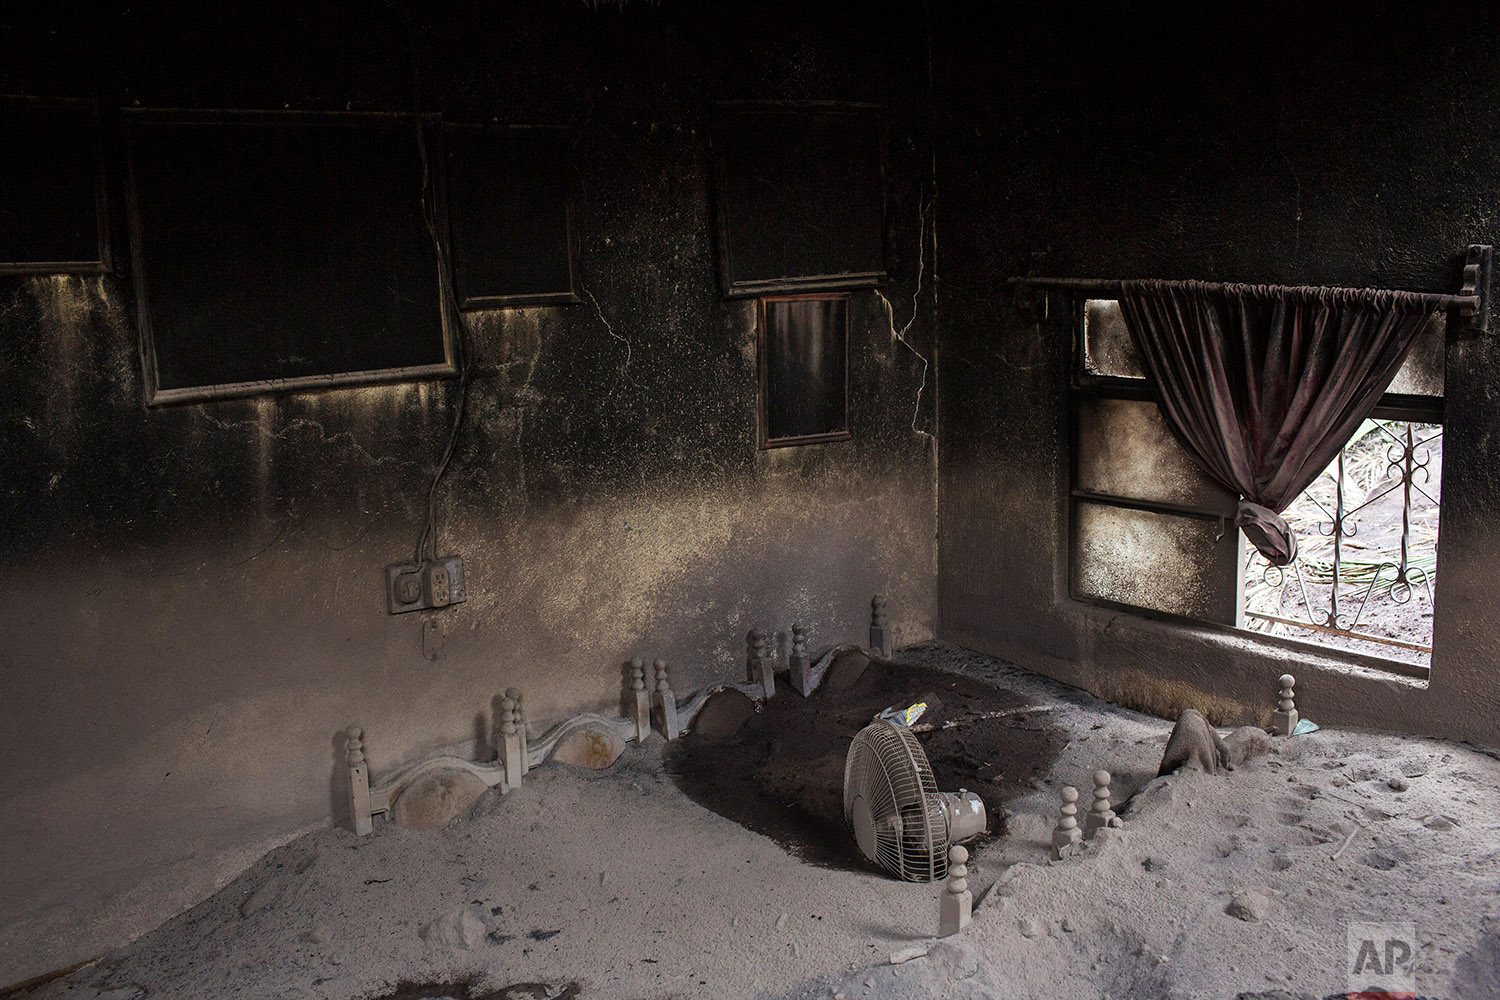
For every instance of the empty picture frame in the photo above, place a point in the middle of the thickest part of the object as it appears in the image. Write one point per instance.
(284, 250)
(53, 217)
(510, 215)
(804, 369)
(799, 196)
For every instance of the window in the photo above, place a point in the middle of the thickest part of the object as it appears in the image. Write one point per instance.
(1149, 530)
(804, 369)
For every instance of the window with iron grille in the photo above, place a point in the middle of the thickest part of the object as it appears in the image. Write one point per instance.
(1149, 530)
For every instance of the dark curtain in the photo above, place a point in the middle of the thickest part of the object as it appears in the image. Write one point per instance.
(1263, 384)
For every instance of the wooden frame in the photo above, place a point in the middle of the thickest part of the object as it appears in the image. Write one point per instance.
(156, 395)
(467, 301)
(102, 263)
(764, 368)
(734, 284)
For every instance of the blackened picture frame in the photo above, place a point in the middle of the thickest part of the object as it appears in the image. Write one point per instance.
(283, 250)
(804, 369)
(54, 216)
(799, 196)
(510, 204)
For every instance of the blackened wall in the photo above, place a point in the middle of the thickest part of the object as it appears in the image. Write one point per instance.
(193, 595)
(1295, 143)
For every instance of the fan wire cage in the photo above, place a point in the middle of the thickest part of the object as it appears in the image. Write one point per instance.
(888, 766)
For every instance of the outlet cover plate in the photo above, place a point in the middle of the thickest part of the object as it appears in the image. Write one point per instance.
(419, 572)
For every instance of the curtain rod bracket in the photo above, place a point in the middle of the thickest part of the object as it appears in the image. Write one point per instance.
(1476, 282)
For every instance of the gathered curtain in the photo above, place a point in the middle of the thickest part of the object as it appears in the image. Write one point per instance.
(1263, 384)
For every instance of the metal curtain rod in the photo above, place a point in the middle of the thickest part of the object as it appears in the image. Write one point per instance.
(1473, 300)
(1438, 300)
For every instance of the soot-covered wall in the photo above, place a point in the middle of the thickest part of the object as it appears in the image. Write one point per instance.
(1293, 143)
(193, 594)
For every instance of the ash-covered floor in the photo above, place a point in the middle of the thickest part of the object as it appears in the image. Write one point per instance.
(616, 884)
(777, 767)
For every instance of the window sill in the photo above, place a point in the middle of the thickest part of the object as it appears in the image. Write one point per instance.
(1276, 650)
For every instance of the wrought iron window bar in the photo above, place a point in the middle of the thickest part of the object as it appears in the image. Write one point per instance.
(1409, 456)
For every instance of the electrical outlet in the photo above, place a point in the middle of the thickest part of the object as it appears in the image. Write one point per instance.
(420, 586)
(438, 593)
(408, 588)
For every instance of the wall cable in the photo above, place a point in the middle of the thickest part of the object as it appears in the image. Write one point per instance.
(427, 546)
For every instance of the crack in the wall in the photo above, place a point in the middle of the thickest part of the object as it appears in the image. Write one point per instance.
(280, 533)
(16, 308)
(933, 226)
(1040, 337)
(521, 451)
(299, 424)
(916, 297)
(523, 394)
(1013, 366)
(523, 391)
(622, 339)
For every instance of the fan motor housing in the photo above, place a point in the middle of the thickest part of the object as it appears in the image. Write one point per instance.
(965, 813)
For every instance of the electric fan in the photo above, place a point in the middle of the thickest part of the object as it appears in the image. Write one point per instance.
(900, 819)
